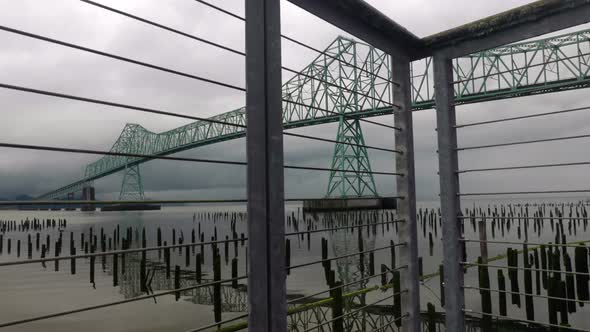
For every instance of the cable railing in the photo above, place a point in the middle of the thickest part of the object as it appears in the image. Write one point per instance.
(115, 256)
(554, 270)
(343, 260)
(206, 161)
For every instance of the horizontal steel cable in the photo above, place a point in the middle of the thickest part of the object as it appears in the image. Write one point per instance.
(310, 168)
(489, 218)
(202, 328)
(563, 138)
(527, 192)
(164, 27)
(172, 71)
(120, 58)
(116, 252)
(343, 256)
(114, 303)
(580, 163)
(295, 300)
(168, 201)
(227, 12)
(523, 268)
(523, 320)
(20, 32)
(354, 311)
(155, 111)
(520, 243)
(339, 142)
(167, 28)
(118, 154)
(386, 325)
(109, 202)
(154, 248)
(239, 163)
(522, 117)
(345, 115)
(524, 294)
(343, 227)
(113, 104)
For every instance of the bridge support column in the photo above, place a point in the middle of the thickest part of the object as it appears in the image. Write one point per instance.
(449, 190)
(70, 196)
(406, 188)
(132, 186)
(351, 175)
(267, 298)
(88, 194)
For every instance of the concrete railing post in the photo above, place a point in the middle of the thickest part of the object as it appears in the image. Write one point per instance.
(264, 135)
(406, 188)
(449, 190)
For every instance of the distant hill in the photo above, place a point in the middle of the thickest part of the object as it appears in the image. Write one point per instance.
(23, 197)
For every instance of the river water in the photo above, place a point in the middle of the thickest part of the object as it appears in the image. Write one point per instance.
(32, 290)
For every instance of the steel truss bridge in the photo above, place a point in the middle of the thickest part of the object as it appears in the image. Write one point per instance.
(350, 81)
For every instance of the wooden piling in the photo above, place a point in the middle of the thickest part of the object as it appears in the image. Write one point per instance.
(142, 273)
(288, 255)
(397, 299)
(420, 267)
(431, 317)
(122, 264)
(513, 275)
(73, 261)
(198, 262)
(486, 298)
(177, 281)
(582, 278)
(115, 270)
(337, 308)
(217, 287)
(43, 250)
(167, 260)
(502, 292)
(187, 256)
(392, 253)
(234, 273)
(92, 258)
(441, 273)
(570, 284)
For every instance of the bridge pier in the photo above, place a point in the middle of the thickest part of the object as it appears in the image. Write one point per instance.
(88, 194)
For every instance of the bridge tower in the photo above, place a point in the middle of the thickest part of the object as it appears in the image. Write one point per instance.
(132, 187)
(351, 169)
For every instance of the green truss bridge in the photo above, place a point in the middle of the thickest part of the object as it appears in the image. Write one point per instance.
(352, 80)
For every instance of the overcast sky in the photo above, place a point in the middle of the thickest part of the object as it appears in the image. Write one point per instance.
(32, 119)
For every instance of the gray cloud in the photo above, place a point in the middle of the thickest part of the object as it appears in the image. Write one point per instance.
(35, 119)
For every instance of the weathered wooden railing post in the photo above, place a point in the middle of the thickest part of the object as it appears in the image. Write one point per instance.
(449, 194)
(406, 188)
(267, 302)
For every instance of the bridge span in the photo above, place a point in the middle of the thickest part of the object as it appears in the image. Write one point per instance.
(350, 81)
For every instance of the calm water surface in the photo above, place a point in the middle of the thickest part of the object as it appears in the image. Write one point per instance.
(32, 290)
